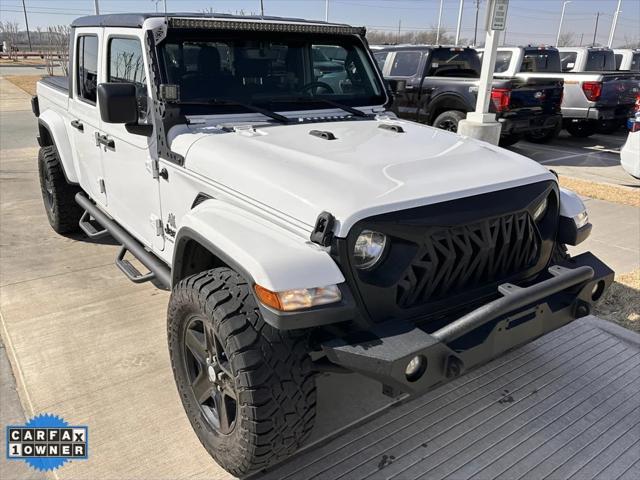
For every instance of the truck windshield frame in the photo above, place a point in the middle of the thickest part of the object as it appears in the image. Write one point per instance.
(259, 68)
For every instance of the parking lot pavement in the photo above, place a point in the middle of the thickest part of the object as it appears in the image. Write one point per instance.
(90, 346)
(596, 158)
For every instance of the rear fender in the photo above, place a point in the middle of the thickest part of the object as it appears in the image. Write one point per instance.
(52, 131)
(264, 253)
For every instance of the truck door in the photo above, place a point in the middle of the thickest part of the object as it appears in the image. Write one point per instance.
(405, 65)
(134, 194)
(84, 115)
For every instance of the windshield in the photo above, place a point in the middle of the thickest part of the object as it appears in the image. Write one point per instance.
(539, 60)
(269, 70)
(600, 60)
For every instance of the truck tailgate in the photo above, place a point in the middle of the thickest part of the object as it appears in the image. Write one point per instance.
(565, 405)
(542, 95)
(618, 90)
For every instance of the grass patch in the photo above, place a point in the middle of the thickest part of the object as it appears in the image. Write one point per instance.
(621, 303)
(602, 191)
(24, 82)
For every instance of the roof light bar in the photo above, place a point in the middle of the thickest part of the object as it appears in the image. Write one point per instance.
(260, 26)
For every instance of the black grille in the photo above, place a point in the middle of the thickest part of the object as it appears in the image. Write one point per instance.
(453, 259)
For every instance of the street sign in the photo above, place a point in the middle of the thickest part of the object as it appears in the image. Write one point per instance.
(498, 19)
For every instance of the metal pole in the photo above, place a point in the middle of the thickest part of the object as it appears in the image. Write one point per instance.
(459, 22)
(96, 7)
(261, 8)
(399, 27)
(595, 30)
(581, 38)
(439, 23)
(475, 31)
(326, 10)
(612, 33)
(27, 24)
(564, 5)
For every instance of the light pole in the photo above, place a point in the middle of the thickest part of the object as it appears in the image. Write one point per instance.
(614, 24)
(326, 10)
(475, 30)
(439, 23)
(24, 7)
(459, 21)
(595, 30)
(564, 5)
(96, 7)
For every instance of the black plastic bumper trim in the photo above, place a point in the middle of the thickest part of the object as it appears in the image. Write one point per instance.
(520, 316)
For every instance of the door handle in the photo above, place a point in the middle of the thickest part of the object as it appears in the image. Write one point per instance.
(105, 140)
(77, 124)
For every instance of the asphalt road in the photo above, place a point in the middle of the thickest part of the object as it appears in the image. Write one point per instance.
(596, 158)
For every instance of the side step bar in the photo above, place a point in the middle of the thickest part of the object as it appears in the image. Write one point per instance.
(157, 269)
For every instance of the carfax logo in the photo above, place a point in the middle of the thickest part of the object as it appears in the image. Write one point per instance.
(46, 442)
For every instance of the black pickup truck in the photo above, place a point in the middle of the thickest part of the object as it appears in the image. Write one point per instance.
(438, 85)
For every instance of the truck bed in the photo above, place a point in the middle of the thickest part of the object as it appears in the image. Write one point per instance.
(59, 83)
(564, 406)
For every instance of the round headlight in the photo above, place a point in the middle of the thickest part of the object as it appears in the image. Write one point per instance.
(540, 210)
(369, 249)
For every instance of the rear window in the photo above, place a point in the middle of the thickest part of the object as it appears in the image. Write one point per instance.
(503, 60)
(405, 64)
(452, 62)
(635, 62)
(568, 60)
(540, 61)
(600, 60)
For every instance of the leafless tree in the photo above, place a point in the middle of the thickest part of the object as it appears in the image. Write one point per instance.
(39, 30)
(567, 39)
(426, 37)
(631, 42)
(58, 52)
(10, 32)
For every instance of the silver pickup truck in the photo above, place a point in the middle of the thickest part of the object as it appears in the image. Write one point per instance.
(595, 100)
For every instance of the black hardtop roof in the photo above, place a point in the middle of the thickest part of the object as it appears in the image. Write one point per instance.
(135, 20)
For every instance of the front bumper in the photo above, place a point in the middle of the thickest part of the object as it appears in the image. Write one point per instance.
(516, 318)
(530, 123)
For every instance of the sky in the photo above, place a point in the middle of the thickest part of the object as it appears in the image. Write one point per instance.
(528, 22)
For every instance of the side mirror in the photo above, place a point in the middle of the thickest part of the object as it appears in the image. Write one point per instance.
(398, 87)
(118, 103)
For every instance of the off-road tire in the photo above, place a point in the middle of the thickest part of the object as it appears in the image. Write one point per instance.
(581, 129)
(509, 139)
(272, 372)
(449, 120)
(57, 194)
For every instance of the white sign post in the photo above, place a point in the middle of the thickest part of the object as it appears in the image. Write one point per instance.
(481, 124)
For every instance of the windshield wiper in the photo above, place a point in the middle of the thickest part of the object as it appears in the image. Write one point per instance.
(346, 108)
(233, 103)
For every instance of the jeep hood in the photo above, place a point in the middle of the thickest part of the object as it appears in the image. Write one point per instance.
(366, 170)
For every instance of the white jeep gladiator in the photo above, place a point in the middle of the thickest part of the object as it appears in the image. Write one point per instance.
(300, 226)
